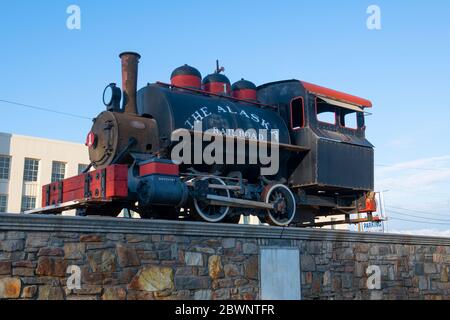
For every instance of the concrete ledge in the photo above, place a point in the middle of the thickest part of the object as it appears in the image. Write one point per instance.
(47, 223)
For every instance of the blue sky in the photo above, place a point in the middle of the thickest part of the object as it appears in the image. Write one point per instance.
(404, 68)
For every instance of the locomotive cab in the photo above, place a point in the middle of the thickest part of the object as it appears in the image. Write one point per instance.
(336, 175)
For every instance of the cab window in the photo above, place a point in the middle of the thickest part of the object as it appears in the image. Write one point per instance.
(297, 114)
(349, 119)
(325, 112)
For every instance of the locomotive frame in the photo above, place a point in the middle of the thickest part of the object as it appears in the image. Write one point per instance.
(327, 168)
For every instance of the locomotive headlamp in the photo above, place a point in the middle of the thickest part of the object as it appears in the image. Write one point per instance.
(111, 97)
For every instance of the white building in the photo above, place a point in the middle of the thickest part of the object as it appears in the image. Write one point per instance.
(28, 163)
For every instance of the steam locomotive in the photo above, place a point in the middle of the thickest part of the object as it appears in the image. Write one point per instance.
(325, 165)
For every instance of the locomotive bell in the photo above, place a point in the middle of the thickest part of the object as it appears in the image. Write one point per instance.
(114, 136)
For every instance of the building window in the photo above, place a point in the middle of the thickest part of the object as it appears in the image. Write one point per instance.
(3, 203)
(28, 203)
(82, 167)
(297, 120)
(31, 168)
(4, 167)
(58, 171)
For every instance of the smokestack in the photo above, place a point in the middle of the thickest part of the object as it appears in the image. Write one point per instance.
(130, 62)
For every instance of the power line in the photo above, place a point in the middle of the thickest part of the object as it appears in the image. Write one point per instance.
(415, 216)
(419, 211)
(45, 109)
(413, 168)
(415, 221)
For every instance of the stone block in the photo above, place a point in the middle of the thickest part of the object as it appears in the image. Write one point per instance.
(376, 294)
(51, 251)
(419, 269)
(101, 261)
(240, 282)
(12, 245)
(430, 268)
(24, 264)
(307, 263)
(29, 292)
(202, 249)
(193, 259)
(231, 270)
(10, 288)
(362, 257)
(185, 271)
(87, 290)
(249, 248)
(51, 266)
(152, 279)
(23, 272)
(74, 251)
(423, 283)
(37, 240)
(251, 268)
(135, 238)
(114, 293)
(444, 274)
(5, 267)
(50, 293)
(326, 278)
(221, 294)
(192, 282)
(314, 247)
(362, 247)
(202, 295)
(165, 255)
(127, 256)
(91, 238)
(374, 250)
(15, 235)
(215, 268)
(115, 237)
(140, 295)
(223, 283)
(228, 243)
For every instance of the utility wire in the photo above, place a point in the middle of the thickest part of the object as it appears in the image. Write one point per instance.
(419, 211)
(415, 216)
(415, 221)
(413, 168)
(45, 109)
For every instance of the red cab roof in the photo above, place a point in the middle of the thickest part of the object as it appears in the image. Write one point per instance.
(337, 95)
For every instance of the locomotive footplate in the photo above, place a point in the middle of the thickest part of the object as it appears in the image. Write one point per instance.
(69, 205)
(369, 218)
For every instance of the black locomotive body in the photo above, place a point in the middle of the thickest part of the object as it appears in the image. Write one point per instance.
(323, 168)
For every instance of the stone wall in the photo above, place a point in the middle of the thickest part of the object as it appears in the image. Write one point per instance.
(136, 259)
